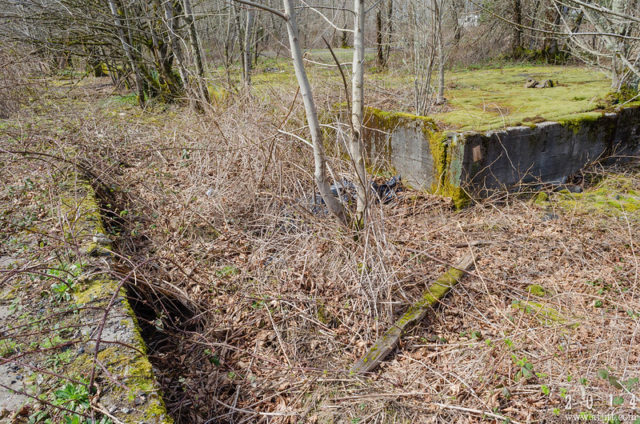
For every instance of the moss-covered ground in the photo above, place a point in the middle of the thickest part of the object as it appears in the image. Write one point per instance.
(478, 98)
(614, 195)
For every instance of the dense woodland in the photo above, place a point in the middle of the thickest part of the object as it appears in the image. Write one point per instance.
(264, 251)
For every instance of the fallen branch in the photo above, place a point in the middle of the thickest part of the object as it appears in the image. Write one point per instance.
(416, 313)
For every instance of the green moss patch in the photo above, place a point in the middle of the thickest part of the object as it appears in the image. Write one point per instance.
(537, 290)
(542, 312)
(613, 196)
(495, 98)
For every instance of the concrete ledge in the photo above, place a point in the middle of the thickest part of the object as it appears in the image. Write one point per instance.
(129, 391)
(472, 163)
(65, 318)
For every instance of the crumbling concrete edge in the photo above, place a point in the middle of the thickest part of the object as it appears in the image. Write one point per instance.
(130, 392)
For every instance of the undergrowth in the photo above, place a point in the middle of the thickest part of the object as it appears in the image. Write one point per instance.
(255, 308)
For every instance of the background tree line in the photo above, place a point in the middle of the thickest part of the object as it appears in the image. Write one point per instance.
(166, 49)
(163, 48)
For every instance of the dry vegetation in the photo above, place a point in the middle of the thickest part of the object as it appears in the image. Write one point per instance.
(256, 308)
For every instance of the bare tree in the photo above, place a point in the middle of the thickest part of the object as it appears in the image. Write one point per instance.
(437, 11)
(516, 44)
(248, 45)
(427, 51)
(196, 51)
(355, 145)
(614, 30)
(134, 40)
(384, 32)
(126, 46)
(357, 86)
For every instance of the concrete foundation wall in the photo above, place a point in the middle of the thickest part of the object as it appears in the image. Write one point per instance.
(412, 155)
(479, 162)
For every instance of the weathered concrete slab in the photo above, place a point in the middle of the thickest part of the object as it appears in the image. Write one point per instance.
(130, 392)
(459, 165)
(55, 343)
(11, 380)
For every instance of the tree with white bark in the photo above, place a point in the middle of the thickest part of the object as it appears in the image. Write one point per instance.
(355, 145)
(608, 35)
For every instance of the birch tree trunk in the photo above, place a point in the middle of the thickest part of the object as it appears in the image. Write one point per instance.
(333, 204)
(357, 112)
(614, 45)
(248, 33)
(437, 11)
(617, 6)
(237, 20)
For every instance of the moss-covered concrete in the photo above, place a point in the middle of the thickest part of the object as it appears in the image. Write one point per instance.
(138, 398)
(492, 98)
(414, 146)
(461, 165)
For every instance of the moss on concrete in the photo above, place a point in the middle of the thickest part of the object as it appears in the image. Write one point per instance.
(129, 365)
(388, 121)
(613, 196)
(446, 153)
(581, 122)
(486, 99)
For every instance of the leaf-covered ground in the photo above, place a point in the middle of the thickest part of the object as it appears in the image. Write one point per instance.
(256, 308)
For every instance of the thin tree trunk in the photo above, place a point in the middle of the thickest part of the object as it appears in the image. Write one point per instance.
(457, 28)
(333, 204)
(533, 24)
(517, 29)
(240, 32)
(379, 39)
(617, 6)
(248, 32)
(440, 51)
(357, 112)
(387, 47)
(196, 51)
(126, 46)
